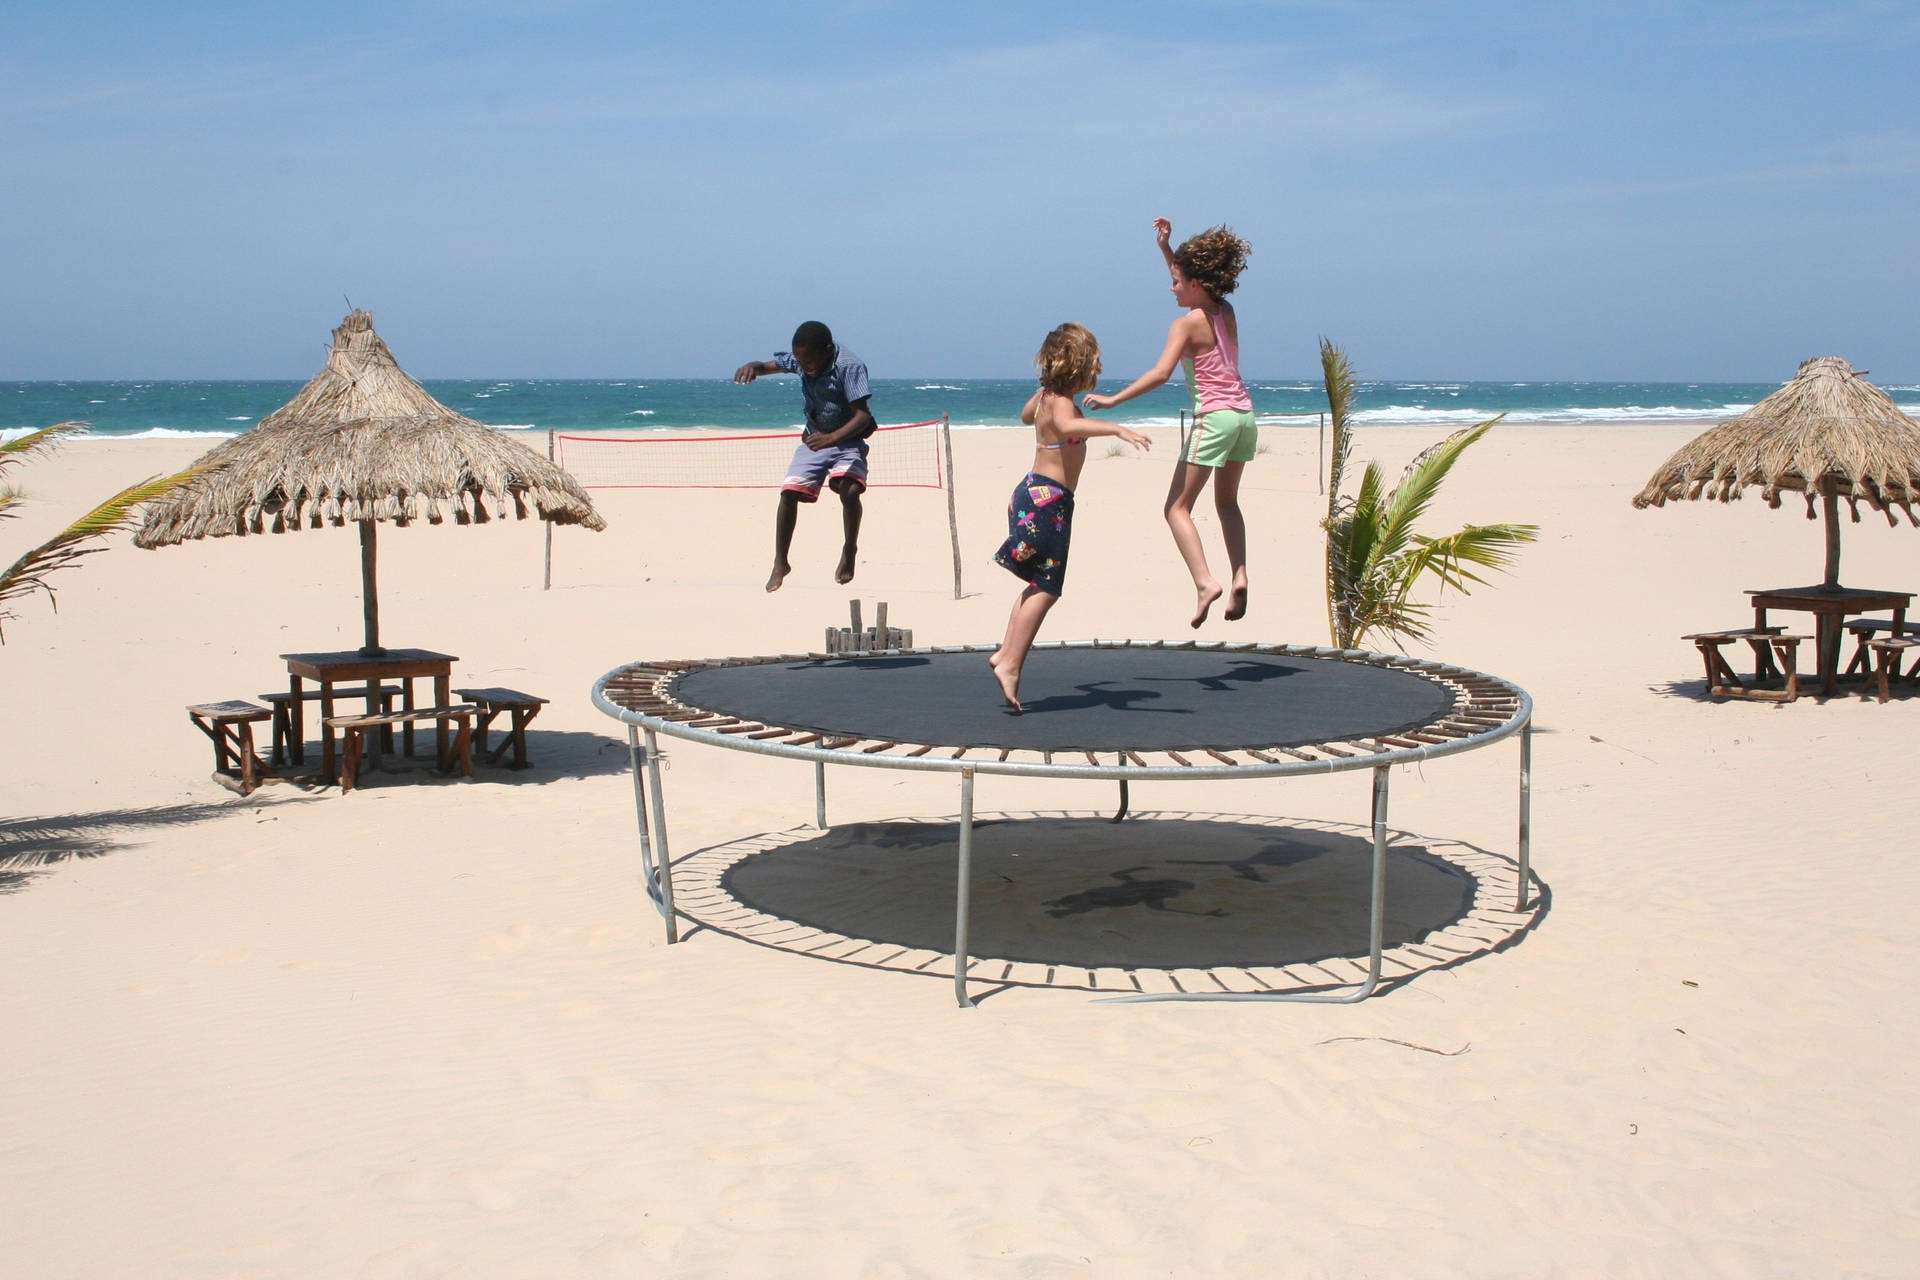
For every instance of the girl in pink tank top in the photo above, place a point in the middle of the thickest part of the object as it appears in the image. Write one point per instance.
(1206, 341)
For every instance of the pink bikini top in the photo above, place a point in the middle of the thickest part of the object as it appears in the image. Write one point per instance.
(1063, 444)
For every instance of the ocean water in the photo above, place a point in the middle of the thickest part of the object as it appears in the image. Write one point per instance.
(632, 405)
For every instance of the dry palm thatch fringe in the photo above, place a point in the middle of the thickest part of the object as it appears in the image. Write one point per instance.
(29, 573)
(1828, 432)
(364, 442)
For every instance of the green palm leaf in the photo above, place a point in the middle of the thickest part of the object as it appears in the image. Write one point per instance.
(29, 573)
(1376, 555)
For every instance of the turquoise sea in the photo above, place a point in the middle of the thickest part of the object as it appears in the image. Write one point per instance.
(162, 408)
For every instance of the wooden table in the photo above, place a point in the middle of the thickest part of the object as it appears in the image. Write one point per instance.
(1830, 607)
(349, 666)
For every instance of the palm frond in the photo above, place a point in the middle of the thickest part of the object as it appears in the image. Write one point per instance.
(29, 573)
(15, 451)
(1375, 554)
(12, 450)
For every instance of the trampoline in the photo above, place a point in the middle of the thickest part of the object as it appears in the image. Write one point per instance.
(1124, 710)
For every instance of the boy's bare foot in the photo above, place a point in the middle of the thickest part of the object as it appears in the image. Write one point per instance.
(1009, 681)
(1237, 606)
(844, 574)
(779, 575)
(1208, 595)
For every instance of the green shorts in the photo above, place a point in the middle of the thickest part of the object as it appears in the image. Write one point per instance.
(1222, 436)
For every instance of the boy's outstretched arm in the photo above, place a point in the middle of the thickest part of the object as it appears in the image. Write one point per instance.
(755, 369)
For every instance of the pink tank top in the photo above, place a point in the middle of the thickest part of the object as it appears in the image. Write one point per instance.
(1214, 376)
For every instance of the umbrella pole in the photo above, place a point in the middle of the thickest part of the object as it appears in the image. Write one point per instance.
(1831, 501)
(369, 591)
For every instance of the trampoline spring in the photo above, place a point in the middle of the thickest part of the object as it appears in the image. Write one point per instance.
(1297, 755)
(1261, 756)
(834, 744)
(745, 726)
(1222, 757)
(1134, 760)
(771, 733)
(805, 740)
(1091, 758)
(1005, 752)
(1180, 760)
(919, 751)
(878, 747)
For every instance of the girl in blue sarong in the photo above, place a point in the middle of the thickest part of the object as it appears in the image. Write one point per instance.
(1040, 516)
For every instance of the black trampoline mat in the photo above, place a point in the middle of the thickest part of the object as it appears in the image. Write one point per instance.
(1079, 699)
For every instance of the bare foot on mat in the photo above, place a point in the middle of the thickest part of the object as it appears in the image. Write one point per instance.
(779, 575)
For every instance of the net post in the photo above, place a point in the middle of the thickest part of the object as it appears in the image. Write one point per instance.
(953, 518)
(1321, 456)
(547, 580)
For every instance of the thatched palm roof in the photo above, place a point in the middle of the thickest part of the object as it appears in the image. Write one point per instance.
(363, 442)
(1829, 431)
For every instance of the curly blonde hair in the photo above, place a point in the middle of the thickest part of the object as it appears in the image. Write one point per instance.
(1213, 259)
(1069, 360)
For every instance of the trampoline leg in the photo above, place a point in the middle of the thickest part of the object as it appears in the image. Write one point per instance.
(820, 794)
(1376, 931)
(1526, 812)
(659, 880)
(660, 837)
(1123, 801)
(963, 893)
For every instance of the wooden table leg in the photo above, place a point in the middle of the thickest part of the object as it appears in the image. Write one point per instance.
(1826, 630)
(442, 697)
(326, 730)
(406, 700)
(296, 721)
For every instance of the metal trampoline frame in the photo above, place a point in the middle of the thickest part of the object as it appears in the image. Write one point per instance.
(1486, 710)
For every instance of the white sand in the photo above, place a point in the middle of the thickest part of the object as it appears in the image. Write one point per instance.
(433, 1029)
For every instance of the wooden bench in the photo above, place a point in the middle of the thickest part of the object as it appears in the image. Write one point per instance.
(230, 725)
(1865, 630)
(1887, 654)
(523, 708)
(355, 731)
(1774, 654)
(380, 696)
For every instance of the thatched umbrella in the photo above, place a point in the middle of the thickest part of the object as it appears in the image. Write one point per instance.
(360, 444)
(1828, 433)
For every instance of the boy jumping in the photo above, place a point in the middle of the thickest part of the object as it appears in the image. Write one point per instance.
(833, 447)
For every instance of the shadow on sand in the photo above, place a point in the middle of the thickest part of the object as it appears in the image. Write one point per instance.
(1164, 891)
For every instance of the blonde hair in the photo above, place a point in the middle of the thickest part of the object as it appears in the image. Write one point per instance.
(1213, 259)
(1069, 360)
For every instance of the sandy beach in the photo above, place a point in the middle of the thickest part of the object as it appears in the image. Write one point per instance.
(432, 1028)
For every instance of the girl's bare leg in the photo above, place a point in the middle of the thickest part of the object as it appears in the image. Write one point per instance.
(1233, 527)
(1023, 624)
(1182, 493)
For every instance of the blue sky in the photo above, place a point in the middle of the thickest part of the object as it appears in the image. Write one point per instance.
(1680, 191)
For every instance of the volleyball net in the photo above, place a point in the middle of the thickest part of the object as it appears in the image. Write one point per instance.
(911, 455)
(908, 456)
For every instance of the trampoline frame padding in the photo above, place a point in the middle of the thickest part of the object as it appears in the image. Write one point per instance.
(1479, 710)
